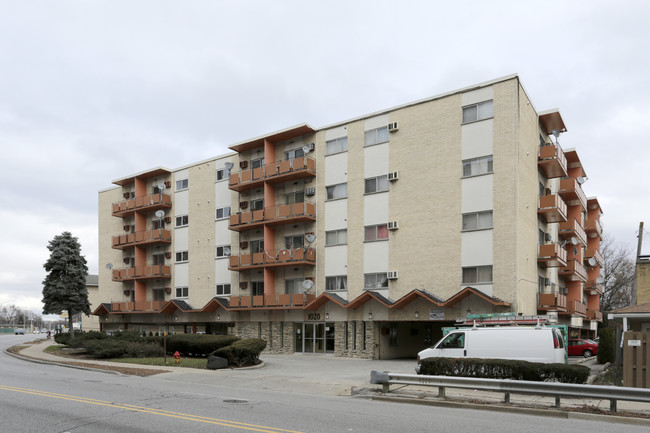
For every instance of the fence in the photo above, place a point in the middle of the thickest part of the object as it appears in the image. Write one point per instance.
(636, 359)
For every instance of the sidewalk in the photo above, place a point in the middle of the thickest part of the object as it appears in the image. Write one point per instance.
(330, 375)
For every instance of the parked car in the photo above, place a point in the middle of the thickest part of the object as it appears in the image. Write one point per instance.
(19, 331)
(582, 347)
(534, 344)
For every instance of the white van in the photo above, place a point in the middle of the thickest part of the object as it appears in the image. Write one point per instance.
(534, 344)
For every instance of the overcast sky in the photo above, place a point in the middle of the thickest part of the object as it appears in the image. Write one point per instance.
(91, 91)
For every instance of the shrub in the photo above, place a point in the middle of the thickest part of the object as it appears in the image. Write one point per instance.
(62, 338)
(504, 369)
(197, 344)
(606, 346)
(108, 348)
(242, 352)
(142, 350)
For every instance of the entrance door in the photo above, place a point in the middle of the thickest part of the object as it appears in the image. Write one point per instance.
(314, 337)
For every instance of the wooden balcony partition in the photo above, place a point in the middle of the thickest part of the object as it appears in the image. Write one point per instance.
(142, 273)
(593, 228)
(137, 306)
(273, 172)
(150, 202)
(552, 301)
(572, 229)
(577, 307)
(595, 254)
(552, 208)
(271, 301)
(574, 271)
(571, 191)
(145, 237)
(552, 255)
(552, 161)
(594, 315)
(273, 258)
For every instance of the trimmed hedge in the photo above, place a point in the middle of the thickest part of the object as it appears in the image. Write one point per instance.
(504, 369)
(242, 352)
(197, 344)
(606, 346)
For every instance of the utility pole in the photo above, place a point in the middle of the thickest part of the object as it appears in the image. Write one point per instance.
(636, 261)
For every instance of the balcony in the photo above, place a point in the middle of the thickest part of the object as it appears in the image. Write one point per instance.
(148, 237)
(594, 315)
(552, 208)
(574, 271)
(571, 192)
(276, 300)
(573, 229)
(274, 215)
(273, 258)
(552, 255)
(552, 161)
(595, 254)
(275, 172)
(552, 301)
(592, 287)
(593, 228)
(150, 202)
(137, 306)
(142, 273)
(577, 307)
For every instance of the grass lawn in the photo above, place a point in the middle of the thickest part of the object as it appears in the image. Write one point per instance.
(54, 349)
(171, 362)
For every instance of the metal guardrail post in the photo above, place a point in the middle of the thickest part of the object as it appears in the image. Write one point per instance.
(506, 397)
(441, 391)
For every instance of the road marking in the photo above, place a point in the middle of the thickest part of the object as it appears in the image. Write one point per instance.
(170, 414)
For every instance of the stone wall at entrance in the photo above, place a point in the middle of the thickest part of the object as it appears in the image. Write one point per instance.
(278, 335)
(355, 347)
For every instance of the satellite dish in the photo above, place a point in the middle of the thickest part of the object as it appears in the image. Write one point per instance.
(310, 237)
(307, 284)
(600, 280)
(109, 266)
(161, 186)
(574, 241)
(555, 133)
(159, 213)
(306, 149)
(581, 179)
(226, 251)
(228, 165)
(563, 244)
(592, 261)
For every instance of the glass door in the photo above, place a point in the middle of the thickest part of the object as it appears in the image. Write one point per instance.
(314, 337)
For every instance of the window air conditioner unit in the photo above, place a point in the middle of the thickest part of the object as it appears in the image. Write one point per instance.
(243, 245)
(126, 260)
(168, 184)
(243, 204)
(393, 175)
(548, 237)
(243, 164)
(243, 285)
(393, 225)
(127, 194)
(392, 127)
(564, 290)
(168, 220)
(310, 191)
(127, 228)
(168, 254)
(392, 275)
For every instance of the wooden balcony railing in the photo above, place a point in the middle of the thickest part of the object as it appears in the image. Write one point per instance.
(137, 306)
(594, 315)
(595, 254)
(552, 208)
(577, 307)
(271, 301)
(274, 215)
(150, 202)
(593, 228)
(572, 193)
(274, 172)
(574, 271)
(552, 301)
(142, 273)
(552, 161)
(145, 237)
(273, 258)
(552, 255)
(573, 229)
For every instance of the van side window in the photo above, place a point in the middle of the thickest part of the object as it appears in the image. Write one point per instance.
(453, 341)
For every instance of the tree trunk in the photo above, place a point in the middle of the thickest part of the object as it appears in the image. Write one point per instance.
(70, 326)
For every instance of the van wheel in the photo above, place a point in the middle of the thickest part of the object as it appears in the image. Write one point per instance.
(587, 353)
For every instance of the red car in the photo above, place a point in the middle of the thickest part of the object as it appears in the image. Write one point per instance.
(582, 347)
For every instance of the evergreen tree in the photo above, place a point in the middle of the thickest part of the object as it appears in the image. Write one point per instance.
(64, 287)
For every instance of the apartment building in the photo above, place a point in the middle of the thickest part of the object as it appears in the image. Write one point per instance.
(364, 238)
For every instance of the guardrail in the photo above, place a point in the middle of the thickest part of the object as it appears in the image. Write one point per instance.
(553, 389)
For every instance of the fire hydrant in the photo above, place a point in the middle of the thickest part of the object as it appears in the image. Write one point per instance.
(177, 357)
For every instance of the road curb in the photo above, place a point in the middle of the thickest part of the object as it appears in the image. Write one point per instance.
(59, 364)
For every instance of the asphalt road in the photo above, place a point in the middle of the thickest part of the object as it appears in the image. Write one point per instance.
(47, 398)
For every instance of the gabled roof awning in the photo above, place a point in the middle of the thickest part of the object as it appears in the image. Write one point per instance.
(467, 291)
(417, 294)
(324, 298)
(369, 295)
(176, 304)
(102, 310)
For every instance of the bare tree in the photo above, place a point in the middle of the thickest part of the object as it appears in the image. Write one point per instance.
(618, 273)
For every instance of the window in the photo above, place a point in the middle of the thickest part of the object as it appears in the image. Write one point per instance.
(377, 184)
(223, 212)
(293, 242)
(336, 237)
(453, 341)
(158, 259)
(182, 292)
(477, 220)
(337, 145)
(480, 111)
(293, 286)
(158, 223)
(477, 274)
(158, 294)
(477, 166)
(294, 197)
(223, 174)
(182, 220)
(376, 233)
(295, 153)
(376, 136)
(337, 191)
(223, 251)
(223, 289)
(257, 204)
(375, 281)
(257, 246)
(256, 163)
(340, 282)
(182, 256)
(257, 288)
(182, 184)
